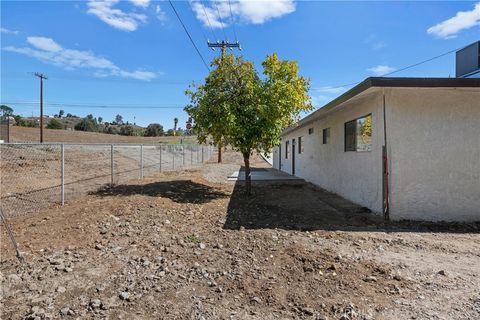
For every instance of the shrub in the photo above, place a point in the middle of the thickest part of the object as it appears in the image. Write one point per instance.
(87, 124)
(54, 124)
(154, 130)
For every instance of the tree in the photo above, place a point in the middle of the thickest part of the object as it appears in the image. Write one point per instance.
(89, 123)
(249, 112)
(61, 113)
(127, 130)
(175, 123)
(54, 124)
(6, 110)
(100, 119)
(119, 119)
(154, 130)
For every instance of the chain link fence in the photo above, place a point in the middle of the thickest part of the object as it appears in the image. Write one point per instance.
(34, 176)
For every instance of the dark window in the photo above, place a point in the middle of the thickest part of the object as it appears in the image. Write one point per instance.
(300, 145)
(326, 135)
(358, 134)
(310, 131)
(287, 149)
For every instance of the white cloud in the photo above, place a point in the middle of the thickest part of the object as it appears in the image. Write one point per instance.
(49, 51)
(381, 70)
(141, 3)
(45, 44)
(126, 21)
(331, 90)
(160, 13)
(461, 21)
(7, 31)
(245, 11)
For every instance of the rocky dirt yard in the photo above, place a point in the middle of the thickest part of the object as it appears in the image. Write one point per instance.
(190, 245)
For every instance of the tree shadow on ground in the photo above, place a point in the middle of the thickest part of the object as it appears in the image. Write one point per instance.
(180, 191)
(305, 207)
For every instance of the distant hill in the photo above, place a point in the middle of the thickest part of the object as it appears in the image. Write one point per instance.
(24, 134)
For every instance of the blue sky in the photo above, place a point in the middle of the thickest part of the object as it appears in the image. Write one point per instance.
(136, 53)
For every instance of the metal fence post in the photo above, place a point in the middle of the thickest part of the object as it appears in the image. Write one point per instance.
(141, 161)
(191, 156)
(111, 165)
(183, 155)
(173, 157)
(63, 174)
(160, 165)
(202, 156)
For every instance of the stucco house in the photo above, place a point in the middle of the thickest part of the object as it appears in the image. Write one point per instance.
(408, 148)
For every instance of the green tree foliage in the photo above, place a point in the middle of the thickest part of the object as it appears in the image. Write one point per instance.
(99, 119)
(127, 130)
(26, 123)
(247, 110)
(54, 124)
(154, 130)
(61, 113)
(89, 123)
(6, 110)
(118, 119)
(175, 123)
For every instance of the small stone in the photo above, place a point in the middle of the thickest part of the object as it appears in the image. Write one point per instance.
(124, 295)
(442, 273)
(14, 278)
(370, 279)
(202, 245)
(64, 311)
(95, 303)
(61, 289)
(256, 300)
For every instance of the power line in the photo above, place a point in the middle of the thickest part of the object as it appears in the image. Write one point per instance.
(220, 18)
(208, 21)
(233, 21)
(53, 77)
(188, 34)
(404, 68)
(92, 106)
(203, 33)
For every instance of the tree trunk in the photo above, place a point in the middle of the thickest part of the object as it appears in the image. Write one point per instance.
(219, 144)
(248, 176)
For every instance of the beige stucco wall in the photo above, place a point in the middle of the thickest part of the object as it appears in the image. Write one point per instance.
(434, 146)
(357, 176)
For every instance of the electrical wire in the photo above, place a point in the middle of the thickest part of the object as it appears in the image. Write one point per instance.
(402, 69)
(221, 21)
(201, 29)
(215, 38)
(233, 21)
(188, 34)
(91, 106)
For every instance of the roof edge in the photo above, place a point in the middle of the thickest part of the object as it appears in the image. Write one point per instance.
(390, 82)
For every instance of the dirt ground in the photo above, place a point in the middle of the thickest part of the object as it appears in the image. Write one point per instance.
(24, 134)
(190, 245)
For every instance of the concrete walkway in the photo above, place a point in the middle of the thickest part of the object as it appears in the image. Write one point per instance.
(264, 174)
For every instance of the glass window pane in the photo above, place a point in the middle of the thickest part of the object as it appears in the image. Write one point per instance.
(364, 134)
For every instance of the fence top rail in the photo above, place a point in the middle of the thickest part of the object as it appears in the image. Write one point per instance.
(98, 144)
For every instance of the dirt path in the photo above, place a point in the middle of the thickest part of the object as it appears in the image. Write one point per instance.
(191, 245)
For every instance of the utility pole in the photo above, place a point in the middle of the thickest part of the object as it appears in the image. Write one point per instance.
(223, 45)
(41, 76)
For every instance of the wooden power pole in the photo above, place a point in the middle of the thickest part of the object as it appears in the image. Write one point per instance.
(42, 77)
(223, 45)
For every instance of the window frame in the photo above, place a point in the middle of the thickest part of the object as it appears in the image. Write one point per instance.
(287, 148)
(355, 142)
(311, 130)
(301, 148)
(325, 135)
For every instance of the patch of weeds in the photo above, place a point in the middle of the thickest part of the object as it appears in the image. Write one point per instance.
(193, 239)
